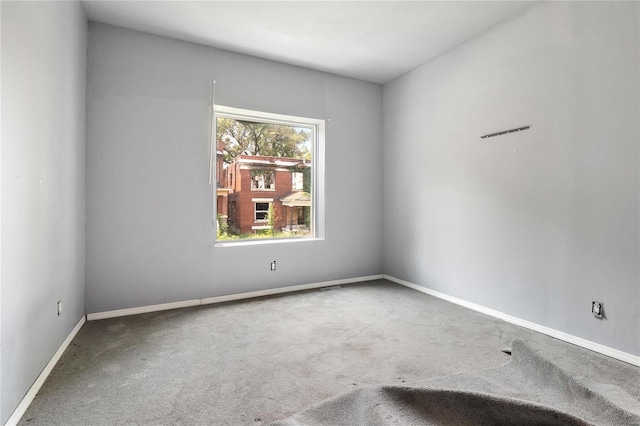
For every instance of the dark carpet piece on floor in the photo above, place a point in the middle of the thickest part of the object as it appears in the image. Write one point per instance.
(393, 405)
(530, 390)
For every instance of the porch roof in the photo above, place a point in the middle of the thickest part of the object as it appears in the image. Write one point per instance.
(296, 199)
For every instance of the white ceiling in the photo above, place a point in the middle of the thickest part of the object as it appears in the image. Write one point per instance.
(375, 41)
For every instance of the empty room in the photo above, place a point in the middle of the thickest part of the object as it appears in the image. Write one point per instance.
(320, 213)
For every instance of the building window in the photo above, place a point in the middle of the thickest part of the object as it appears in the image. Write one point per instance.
(262, 180)
(297, 181)
(261, 212)
(278, 154)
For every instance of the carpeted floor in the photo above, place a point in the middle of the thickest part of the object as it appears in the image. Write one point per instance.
(259, 361)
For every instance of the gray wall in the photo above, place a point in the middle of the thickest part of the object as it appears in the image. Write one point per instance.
(149, 227)
(534, 224)
(43, 191)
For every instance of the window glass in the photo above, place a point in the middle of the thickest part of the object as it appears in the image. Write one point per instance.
(297, 181)
(266, 174)
(262, 212)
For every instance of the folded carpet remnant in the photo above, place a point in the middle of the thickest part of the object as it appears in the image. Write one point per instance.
(529, 390)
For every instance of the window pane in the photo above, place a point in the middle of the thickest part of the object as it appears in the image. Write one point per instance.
(262, 180)
(297, 179)
(259, 161)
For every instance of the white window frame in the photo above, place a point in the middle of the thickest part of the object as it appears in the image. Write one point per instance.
(317, 126)
(255, 209)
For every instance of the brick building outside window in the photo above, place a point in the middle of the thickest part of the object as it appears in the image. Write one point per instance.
(264, 194)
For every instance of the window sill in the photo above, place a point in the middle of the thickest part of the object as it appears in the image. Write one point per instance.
(258, 241)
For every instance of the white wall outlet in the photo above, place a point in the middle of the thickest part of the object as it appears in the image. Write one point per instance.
(596, 309)
(59, 307)
(273, 265)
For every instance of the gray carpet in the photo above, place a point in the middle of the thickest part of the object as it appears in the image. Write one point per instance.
(263, 360)
(530, 390)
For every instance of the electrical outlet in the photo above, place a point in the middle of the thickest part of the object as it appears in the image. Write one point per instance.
(59, 307)
(596, 309)
(273, 265)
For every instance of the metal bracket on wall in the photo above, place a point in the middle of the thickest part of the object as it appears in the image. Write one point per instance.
(490, 135)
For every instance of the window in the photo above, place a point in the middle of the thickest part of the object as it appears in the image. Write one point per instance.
(297, 181)
(262, 212)
(262, 180)
(271, 155)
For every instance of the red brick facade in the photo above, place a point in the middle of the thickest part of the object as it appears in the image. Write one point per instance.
(255, 183)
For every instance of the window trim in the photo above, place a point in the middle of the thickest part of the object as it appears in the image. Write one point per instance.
(317, 126)
(255, 210)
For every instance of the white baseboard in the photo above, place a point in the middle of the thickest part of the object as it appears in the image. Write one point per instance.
(578, 341)
(143, 309)
(227, 298)
(35, 387)
(281, 290)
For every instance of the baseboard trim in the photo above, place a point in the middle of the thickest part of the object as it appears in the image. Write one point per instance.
(143, 309)
(35, 387)
(569, 338)
(227, 298)
(281, 290)
(578, 341)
